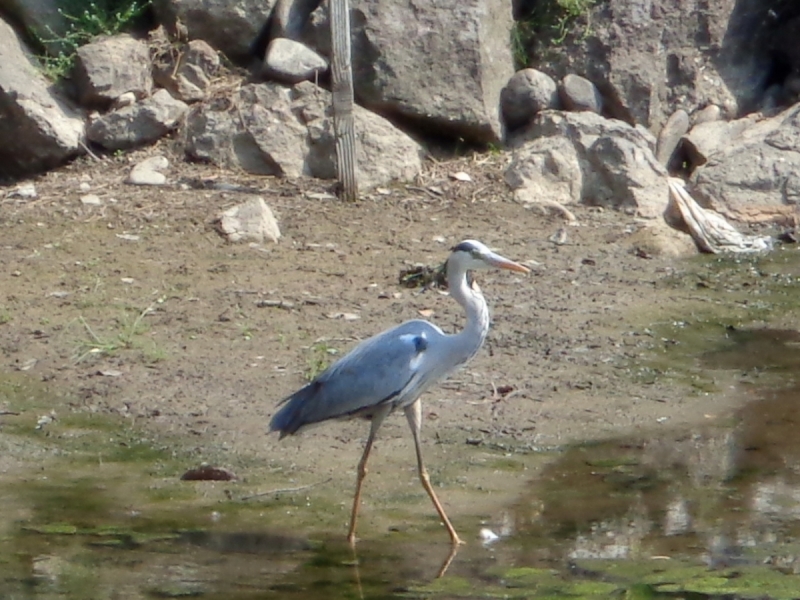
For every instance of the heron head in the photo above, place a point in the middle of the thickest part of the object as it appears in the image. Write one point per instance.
(473, 255)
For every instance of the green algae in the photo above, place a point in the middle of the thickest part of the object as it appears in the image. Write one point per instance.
(723, 302)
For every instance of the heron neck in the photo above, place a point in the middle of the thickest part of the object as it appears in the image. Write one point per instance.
(466, 343)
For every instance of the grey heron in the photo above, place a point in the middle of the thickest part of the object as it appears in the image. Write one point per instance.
(392, 369)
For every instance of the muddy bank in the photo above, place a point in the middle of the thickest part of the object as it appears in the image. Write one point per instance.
(137, 310)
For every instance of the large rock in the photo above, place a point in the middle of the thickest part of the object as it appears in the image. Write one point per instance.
(271, 129)
(545, 171)
(754, 175)
(709, 137)
(39, 129)
(289, 61)
(651, 57)
(440, 63)
(670, 136)
(112, 66)
(231, 27)
(137, 124)
(571, 157)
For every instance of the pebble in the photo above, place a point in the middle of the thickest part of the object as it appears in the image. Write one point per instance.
(148, 172)
(91, 200)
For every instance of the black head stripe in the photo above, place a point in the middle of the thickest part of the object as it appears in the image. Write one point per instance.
(465, 247)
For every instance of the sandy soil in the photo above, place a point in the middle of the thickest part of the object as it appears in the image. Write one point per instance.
(138, 307)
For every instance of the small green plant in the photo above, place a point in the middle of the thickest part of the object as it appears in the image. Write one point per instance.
(85, 21)
(319, 359)
(96, 345)
(5, 316)
(547, 25)
(152, 353)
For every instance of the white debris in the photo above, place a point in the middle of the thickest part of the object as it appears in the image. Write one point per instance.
(25, 191)
(461, 176)
(344, 316)
(45, 420)
(27, 365)
(488, 537)
(709, 230)
(110, 373)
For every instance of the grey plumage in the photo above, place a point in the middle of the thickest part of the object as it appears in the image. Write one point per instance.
(392, 369)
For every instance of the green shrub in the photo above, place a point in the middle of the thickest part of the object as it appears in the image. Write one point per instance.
(547, 26)
(85, 21)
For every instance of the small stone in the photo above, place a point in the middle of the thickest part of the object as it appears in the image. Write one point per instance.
(145, 177)
(148, 171)
(579, 94)
(461, 176)
(559, 238)
(123, 100)
(528, 92)
(110, 373)
(250, 221)
(344, 316)
(91, 200)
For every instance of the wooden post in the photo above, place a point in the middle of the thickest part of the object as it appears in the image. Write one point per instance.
(342, 88)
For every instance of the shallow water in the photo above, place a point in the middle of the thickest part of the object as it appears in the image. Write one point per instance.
(708, 513)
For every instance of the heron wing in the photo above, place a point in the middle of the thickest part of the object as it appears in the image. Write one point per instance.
(384, 368)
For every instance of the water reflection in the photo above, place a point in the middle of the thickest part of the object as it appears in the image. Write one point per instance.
(723, 499)
(727, 493)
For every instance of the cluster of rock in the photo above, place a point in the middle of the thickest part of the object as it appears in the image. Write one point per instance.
(717, 83)
(649, 89)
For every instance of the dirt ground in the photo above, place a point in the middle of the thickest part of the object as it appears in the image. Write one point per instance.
(138, 307)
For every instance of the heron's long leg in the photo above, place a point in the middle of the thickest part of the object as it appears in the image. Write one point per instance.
(414, 416)
(377, 419)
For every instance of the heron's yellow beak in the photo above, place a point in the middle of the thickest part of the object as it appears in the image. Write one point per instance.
(512, 266)
(503, 263)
